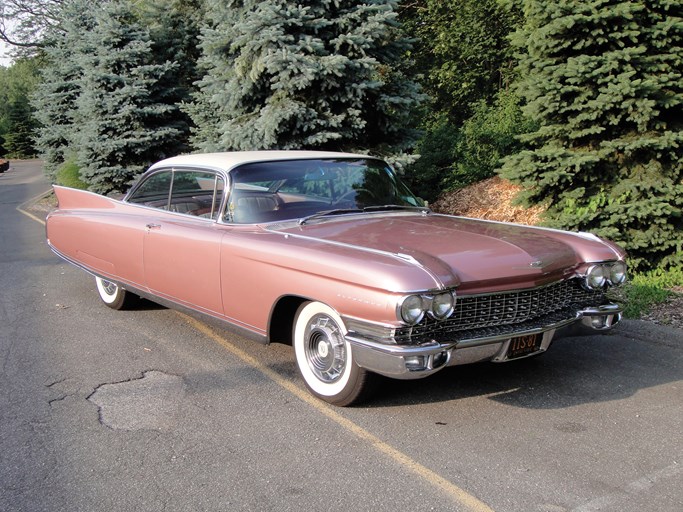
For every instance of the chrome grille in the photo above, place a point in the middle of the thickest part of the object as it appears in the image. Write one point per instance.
(503, 311)
(517, 307)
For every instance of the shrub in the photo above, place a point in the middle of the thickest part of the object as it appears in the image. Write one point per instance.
(69, 175)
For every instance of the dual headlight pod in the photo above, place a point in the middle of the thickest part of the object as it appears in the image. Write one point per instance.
(597, 276)
(413, 308)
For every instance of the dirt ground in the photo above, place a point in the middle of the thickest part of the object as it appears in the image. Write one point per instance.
(489, 199)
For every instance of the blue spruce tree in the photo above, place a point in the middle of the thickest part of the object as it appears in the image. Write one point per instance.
(325, 74)
(111, 89)
(125, 115)
(54, 101)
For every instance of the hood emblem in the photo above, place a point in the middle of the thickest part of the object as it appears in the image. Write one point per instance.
(536, 264)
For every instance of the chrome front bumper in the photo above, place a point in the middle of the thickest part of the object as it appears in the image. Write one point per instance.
(418, 361)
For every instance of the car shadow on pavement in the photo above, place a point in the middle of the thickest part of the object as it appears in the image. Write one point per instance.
(574, 371)
(146, 305)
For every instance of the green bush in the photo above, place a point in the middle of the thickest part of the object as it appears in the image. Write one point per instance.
(645, 290)
(661, 278)
(437, 149)
(486, 138)
(69, 175)
(456, 156)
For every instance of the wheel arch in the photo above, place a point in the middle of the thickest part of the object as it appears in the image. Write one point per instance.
(282, 317)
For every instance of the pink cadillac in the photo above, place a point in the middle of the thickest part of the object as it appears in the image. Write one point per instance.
(331, 253)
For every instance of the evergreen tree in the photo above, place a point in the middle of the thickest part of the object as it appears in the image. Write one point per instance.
(124, 116)
(462, 51)
(54, 101)
(174, 28)
(489, 135)
(111, 88)
(325, 74)
(465, 61)
(604, 80)
(17, 123)
(18, 139)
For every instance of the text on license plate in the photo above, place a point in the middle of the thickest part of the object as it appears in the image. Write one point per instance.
(524, 345)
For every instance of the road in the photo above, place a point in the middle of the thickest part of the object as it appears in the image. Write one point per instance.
(151, 410)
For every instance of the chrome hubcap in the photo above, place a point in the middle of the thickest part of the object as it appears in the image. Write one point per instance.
(109, 287)
(325, 348)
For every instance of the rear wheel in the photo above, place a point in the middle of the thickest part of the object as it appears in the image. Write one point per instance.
(324, 357)
(113, 295)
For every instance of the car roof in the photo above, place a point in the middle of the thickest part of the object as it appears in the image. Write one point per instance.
(228, 160)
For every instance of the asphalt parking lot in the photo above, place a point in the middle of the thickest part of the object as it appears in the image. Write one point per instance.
(153, 410)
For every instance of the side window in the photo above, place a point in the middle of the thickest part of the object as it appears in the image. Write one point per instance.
(154, 191)
(197, 193)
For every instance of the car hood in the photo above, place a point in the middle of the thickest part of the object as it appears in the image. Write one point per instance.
(464, 252)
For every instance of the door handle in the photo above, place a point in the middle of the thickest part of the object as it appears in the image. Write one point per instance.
(153, 226)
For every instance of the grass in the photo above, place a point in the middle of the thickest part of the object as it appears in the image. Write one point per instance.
(644, 291)
(68, 175)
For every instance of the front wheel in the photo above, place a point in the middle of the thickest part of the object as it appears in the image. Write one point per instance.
(324, 357)
(113, 295)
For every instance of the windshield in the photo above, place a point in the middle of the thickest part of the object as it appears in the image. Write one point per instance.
(294, 189)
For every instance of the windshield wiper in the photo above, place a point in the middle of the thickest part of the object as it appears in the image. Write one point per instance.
(367, 209)
(390, 207)
(325, 213)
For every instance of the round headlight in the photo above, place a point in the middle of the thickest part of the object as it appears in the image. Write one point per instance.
(442, 306)
(412, 309)
(595, 277)
(617, 273)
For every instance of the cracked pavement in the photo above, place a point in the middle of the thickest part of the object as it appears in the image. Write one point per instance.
(150, 402)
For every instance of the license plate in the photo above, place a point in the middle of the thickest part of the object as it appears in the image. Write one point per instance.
(524, 345)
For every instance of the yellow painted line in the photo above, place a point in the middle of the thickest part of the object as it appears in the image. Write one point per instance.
(456, 493)
(31, 216)
(21, 207)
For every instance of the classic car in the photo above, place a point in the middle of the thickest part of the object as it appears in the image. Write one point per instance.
(331, 253)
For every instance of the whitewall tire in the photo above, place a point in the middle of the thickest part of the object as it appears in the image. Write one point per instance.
(324, 357)
(113, 295)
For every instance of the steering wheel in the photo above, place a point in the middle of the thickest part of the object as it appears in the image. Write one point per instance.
(347, 199)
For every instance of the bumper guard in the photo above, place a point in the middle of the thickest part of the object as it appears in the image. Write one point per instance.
(418, 361)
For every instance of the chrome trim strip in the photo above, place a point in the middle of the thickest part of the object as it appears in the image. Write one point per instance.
(220, 323)
(69, 260)
(604, 309)
(159, 212)
(403, 257)
(475, 342)
(365, 328)
(431, 347)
